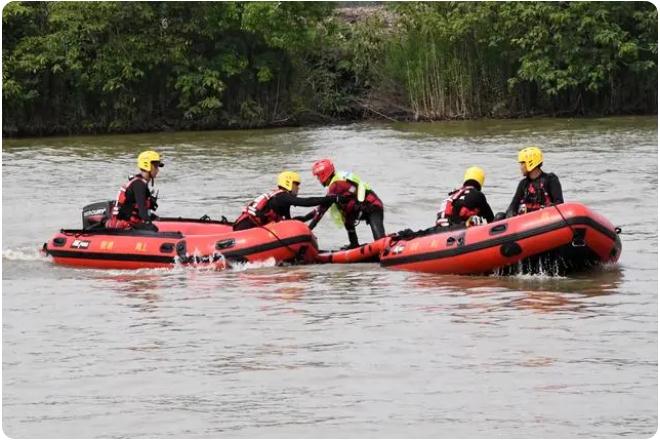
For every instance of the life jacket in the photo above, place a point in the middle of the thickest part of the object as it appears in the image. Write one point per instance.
(453, 208)
(258, 211)
(124, 215)
(357, 194)
(535, 196)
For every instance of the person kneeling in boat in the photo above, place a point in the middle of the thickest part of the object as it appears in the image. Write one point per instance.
(466, 206)
(356, 202)
(276, 205)
(135, 201)
(538, 189)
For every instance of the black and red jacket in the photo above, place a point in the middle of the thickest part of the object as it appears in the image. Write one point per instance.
(535, 194)
(134, 201)
(274, 206)
(465, 202)
(348, 203)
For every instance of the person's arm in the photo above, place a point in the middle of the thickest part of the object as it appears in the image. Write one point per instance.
(306, 217)
(140, 193)
(554, 189)
(515, 202)
(312, 201)
(317, 215)
(320, 210)
(485, 210)
(282, 204)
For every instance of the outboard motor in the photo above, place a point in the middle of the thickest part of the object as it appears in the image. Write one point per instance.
(96, 214)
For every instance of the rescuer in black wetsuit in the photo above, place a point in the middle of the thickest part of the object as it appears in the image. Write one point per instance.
(135, 203)
(467, 205)
(276, 205)
(538, 189)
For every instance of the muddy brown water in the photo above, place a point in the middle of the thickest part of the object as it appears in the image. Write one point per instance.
(331, 350)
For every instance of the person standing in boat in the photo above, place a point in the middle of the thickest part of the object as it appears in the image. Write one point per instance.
(276, 205)
(537, 189)
(466, 206)
(135, 201)
(356, 202)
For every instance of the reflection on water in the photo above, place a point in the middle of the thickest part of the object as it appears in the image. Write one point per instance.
(539, 294)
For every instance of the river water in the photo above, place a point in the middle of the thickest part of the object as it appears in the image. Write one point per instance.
(332, 350)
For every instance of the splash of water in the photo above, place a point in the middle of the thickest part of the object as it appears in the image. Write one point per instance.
(25, 253)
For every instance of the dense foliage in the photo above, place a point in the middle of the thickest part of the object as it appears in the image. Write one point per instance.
(72, 67)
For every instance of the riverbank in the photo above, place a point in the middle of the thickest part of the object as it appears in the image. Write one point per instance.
(86, 68)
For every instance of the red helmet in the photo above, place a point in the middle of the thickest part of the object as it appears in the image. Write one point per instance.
(323, 169)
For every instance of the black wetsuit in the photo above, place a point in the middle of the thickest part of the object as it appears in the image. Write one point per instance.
(136, 206)
(281, 204)
(545, 190)
(475, 203)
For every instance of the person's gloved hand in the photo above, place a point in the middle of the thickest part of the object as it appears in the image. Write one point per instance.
(474, 220)
(442, 222)
(499, 216)
(153, 217)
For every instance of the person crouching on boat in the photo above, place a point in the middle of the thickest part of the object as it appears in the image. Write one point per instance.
(356, 202)
(466, 206)
(538, 189)
(135, 201)
(276, 205)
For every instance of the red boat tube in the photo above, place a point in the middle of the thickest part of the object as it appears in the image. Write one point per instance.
(285, 241)
(570, 236)
(362, 254)
(131, 249)
(187, 226)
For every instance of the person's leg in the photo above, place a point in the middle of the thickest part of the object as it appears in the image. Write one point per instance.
(115, 223)
(376, 222)
(352, 238)
(145, 227)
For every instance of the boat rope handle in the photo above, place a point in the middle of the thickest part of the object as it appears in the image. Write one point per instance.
(280, 240)
(564, 218)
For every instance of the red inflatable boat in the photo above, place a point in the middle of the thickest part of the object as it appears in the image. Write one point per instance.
(366, 253)
(560, 239)
(185, 241)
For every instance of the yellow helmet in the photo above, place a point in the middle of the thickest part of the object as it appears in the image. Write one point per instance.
(286, 179)
(532, 157)
(146, 158)
(476, 174)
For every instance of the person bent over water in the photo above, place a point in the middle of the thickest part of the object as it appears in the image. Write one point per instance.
(276, 205)
(356, 202)
(467, 205)
(135, 201)
(538, 189)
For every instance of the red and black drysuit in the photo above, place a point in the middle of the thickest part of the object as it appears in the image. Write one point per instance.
(370, 210)
(465, 202)
(275, 206)
(132, 207)
(535, 194)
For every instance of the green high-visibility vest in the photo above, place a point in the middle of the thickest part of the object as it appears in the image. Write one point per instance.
(362, 188)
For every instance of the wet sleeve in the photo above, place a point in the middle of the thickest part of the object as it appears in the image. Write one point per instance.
(485, 210)
(555, 191)
(515, 202)
(313, 201)
(140, 192)
(320, 210)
